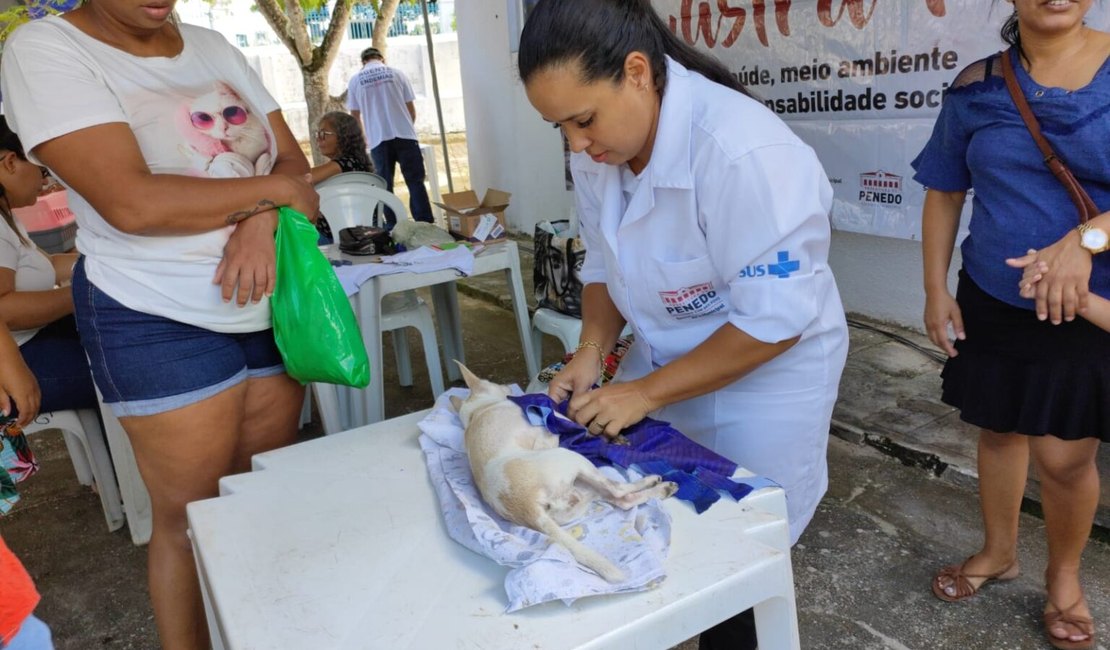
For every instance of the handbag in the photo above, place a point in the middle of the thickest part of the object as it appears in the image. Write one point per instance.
(323, 228)
(1083, 203)
(556, 265)
(16, 462)
(314, 327)
(366, 240)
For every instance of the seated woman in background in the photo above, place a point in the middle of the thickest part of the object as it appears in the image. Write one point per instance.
(37, 310)
(340, 138)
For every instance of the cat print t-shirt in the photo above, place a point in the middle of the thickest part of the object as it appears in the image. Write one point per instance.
(202, 113)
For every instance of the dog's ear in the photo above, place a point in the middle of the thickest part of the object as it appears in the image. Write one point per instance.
(457, 403)
(470, 378)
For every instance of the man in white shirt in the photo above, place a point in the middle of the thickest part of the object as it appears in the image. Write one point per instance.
(381, 98)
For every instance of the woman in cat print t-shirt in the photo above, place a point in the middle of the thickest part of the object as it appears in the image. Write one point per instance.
(176, 157)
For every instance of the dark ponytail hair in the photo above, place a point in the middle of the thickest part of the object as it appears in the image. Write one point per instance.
(9, 141)
(1011, 35)
(600, 34)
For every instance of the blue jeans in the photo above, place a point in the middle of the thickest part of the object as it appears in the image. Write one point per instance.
(386, 157)
(32, 635)
(58, 362)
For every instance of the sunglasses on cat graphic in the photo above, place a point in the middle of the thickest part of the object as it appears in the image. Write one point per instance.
(234, 115)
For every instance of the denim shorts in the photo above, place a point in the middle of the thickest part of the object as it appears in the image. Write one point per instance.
(145, 364)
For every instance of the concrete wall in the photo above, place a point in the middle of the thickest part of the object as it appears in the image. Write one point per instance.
(513, 149)
(248, 30)
(881, 277)
(510, 147)
(283, 79)
(244, 26)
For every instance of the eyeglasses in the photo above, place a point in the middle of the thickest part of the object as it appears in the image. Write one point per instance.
(321, 134)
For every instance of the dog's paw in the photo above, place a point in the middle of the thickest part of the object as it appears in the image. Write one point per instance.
(669, 488)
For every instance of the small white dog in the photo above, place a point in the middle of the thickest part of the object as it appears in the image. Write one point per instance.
(521, 472)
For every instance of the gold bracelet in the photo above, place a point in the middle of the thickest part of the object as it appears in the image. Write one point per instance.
(591, 344)
(596, 346)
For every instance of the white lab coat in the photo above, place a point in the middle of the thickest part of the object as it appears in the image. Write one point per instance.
(729, 224)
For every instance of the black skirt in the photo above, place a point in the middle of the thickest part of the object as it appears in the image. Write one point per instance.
(1015, 373)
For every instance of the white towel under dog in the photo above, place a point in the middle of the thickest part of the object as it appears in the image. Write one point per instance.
(636, 540)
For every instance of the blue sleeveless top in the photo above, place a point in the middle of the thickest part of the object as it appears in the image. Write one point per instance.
(979, 142)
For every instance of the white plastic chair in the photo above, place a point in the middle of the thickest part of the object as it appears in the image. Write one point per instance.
(347, 204)
(354, 202)
(354, 177)
(85, 442)
(565, 328)
(136, 499)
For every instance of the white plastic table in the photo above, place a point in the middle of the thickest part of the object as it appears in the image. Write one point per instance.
(500, 257)
(338, 544)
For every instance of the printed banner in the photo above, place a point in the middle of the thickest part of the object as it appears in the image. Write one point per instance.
(861, 81)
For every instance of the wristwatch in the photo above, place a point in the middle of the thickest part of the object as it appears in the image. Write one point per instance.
(1093, 239)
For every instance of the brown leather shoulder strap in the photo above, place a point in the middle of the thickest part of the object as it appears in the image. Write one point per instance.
(1083, 203)
(1023, 106)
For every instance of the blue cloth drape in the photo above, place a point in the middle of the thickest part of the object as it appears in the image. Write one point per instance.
(655, 447)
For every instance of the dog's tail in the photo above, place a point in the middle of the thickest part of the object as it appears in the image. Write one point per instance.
(583, 554)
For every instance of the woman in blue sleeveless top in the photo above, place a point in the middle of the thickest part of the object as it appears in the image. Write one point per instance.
(1034, 378)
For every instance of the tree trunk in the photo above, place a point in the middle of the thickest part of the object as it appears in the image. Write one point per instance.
(387, 9)
(319, 101)
(287, 19)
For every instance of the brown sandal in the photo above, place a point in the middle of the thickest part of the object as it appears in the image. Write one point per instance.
(963, 588)
(1064, 616)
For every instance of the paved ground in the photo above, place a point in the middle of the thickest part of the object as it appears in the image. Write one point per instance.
(901, 503)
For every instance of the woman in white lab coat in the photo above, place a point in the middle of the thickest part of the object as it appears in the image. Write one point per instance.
(706, 227)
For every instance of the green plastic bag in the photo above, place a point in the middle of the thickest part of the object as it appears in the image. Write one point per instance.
(314, 326)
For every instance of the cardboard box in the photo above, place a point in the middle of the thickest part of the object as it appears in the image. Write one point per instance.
(474, 220)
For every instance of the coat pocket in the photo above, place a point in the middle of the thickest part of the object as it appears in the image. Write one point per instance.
(681, 291)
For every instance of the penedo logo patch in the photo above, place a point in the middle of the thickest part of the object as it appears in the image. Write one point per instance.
(692, 302)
